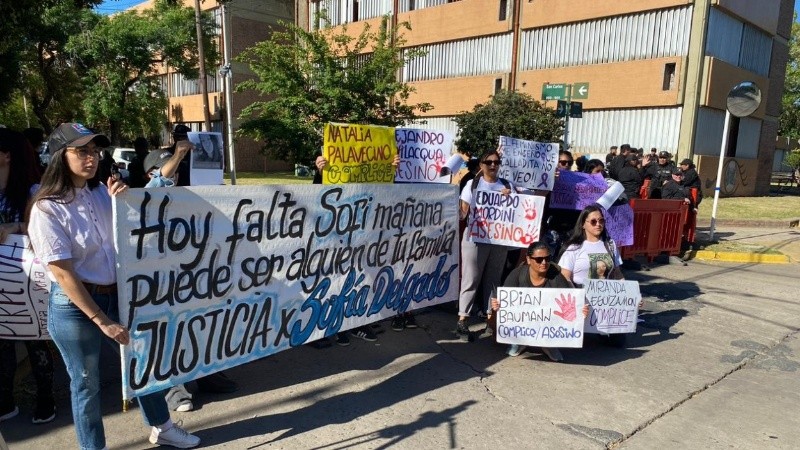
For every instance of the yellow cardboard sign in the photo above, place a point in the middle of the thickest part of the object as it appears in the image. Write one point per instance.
(358, 153)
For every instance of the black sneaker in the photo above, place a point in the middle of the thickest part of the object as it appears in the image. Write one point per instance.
(342, 339)
(364, 333)
(461, 330)
(217, 383)
(411, 322)
(45, 412)
(8, 410)
(398, 323)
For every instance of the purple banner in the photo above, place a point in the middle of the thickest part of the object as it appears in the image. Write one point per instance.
(619, 223)
(576, 190)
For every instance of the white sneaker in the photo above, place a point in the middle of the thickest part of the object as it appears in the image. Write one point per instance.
(175, 436)
(515, 350)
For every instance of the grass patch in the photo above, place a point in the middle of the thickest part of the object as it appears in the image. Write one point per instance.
(260, 178)
(777, 207)
(737, 247)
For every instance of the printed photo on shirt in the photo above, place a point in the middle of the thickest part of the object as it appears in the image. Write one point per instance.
(600, 265)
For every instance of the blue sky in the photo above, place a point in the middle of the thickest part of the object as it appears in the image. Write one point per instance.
(112, 6)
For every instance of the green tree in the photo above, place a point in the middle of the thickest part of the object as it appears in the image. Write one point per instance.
(118, 58)
(35, 64)
(508, 113)
(313, 77)
(789, 124)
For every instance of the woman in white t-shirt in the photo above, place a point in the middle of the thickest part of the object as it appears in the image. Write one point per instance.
(590, 253)
(481, 264)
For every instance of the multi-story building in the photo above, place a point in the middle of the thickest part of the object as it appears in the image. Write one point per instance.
(250, 22)
(657, 72)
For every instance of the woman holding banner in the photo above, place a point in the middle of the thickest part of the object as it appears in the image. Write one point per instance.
(18, 176)
(72, 232)
(589, 253)
(538, 271)
(481, 263)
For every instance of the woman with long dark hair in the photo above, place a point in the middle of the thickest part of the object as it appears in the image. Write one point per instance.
(18, 178)
(72, 232)
(589, 252)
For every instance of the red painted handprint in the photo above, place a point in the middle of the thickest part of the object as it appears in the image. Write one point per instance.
(567, 305)
(530, 236)
(530, 210)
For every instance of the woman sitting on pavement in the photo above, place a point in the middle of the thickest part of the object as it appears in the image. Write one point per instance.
(538, 271)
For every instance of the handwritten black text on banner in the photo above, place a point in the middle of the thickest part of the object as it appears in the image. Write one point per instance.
(216, 277)
(24, 291)
(513, 220)
(546, 317)
(528, 164)
(423, 154)
(613, 306)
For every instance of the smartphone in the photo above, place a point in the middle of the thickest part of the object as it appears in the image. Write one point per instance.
(115, 175)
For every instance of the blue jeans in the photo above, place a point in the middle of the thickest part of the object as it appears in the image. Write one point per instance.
(78, 340)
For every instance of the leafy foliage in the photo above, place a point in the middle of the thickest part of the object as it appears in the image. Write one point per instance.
(118, 57)
(792, 160)
(789, 124)
(313, 77)
(508, 113)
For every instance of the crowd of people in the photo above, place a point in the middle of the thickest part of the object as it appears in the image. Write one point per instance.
(66, 212)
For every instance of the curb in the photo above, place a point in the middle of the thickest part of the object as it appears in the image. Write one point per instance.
(740, 257)
(767, 223)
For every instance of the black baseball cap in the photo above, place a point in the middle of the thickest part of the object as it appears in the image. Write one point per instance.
(74, 135)
(676, 171)
(664, 154)
(686, 162)
(181, 129)
(156, 158)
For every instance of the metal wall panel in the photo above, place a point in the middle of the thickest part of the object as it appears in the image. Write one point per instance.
(646, 128)
(468, 57)
(708, 136)
(737, 43)
(368, 9)
(653, 34)
(413, 5)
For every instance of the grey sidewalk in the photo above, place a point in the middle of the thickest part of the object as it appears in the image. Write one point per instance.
(714, 365)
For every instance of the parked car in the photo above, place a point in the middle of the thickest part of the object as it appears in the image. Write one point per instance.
(123, 156)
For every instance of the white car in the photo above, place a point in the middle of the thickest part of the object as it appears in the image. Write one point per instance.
(123, 156)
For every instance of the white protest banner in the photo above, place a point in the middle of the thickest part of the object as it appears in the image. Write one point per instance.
(213, 277)
(24, 291)
(513, 220)
(613, 306)
(423, 154)
(528, 164)
(207, 160)
(544, 317)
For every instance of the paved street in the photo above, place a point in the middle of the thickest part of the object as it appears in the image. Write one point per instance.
(714, 365)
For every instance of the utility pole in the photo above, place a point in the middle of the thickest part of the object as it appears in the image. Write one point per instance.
(227, 75)
(201, 54)
(566, 118)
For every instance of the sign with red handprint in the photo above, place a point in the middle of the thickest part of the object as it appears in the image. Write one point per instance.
(423, 155)
(543, 317)
(513, 220)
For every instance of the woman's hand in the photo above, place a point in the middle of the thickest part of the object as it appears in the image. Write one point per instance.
(396, 161)
(495, 304)
(114, 331)
(116, 186)
(505, 191)
(585, 310)
(321, 162)
(9, 228)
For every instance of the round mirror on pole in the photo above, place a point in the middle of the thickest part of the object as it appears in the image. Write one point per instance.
(743, 100)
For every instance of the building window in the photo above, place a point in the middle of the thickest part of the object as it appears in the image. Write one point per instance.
(733, 137)
(498, 85)
(503, 9)
(669, 77)
(355, 11)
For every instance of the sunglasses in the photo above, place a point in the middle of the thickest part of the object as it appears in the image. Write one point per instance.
(594, 222)
(86, 152)
(565, 162)
(540, 259)
(492, 162)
